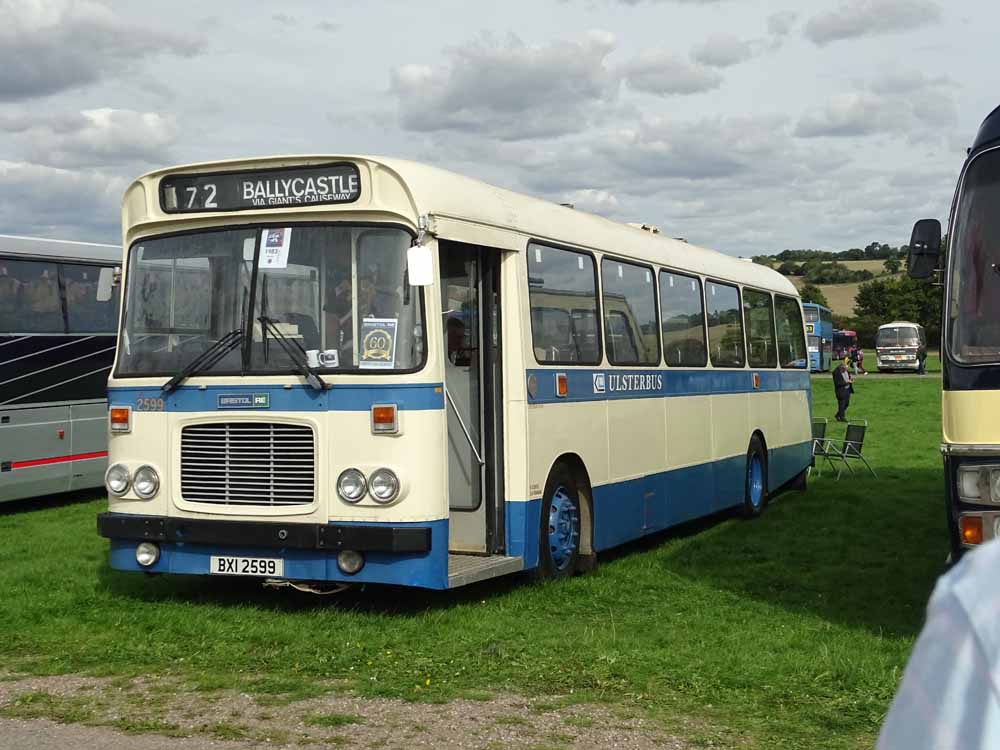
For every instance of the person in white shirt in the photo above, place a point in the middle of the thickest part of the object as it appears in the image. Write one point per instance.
(950, 693)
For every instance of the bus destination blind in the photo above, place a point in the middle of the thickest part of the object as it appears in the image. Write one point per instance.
(269, 188)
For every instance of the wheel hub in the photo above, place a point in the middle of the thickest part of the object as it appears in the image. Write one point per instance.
(564, 528)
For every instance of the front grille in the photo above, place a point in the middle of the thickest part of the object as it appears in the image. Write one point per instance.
(248, 463)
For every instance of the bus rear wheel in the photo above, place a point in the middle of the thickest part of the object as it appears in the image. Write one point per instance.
(559, 527)
(755, 493)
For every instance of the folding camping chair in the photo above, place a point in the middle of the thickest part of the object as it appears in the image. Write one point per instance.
(821, 444)
(849, 449)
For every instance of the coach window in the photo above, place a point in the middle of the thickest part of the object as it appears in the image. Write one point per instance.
(629, 313)
(682, 312)
(84, 312)
(29, 297)
(759, 318)
(725, 326)
(562, 292)
(791, 338)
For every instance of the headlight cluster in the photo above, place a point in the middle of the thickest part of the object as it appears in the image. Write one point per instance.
(979, 483)
(145, 482)
(382, 485)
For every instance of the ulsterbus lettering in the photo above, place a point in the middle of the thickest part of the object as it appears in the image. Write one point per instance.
(617, 382)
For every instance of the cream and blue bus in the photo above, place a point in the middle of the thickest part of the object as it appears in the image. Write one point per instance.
(340, 369)
(970, 341)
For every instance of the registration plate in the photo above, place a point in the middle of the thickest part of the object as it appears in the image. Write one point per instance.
(247, 566)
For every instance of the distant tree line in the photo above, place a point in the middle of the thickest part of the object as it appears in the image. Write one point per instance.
(872, 251)
(879, 300)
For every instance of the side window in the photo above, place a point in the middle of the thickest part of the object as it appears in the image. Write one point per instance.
(682, 312)
(760, 329)
(788, 320)
(630, 314)
(84, 313)
(29, 297)
(725, 325)
(562, 292)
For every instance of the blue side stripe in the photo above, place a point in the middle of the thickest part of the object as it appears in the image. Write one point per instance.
(341, 397)
(632, 508)
(607, 385)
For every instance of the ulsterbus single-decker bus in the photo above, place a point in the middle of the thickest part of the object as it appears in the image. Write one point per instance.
(338, 369)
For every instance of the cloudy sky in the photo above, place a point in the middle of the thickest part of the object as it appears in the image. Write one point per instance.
(745, 125)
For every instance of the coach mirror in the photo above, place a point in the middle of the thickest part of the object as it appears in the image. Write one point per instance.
(420, 265)
(106, 282)
(925, 246)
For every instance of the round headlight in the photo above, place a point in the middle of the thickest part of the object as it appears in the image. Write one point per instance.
(117, 479)
(350, 561)
(146, 554)
(384, 486)
(351, 485)
(146, 482)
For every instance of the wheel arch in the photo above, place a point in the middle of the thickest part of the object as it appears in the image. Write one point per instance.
(578, 469)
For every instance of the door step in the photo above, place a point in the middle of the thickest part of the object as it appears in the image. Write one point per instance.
(466, 569)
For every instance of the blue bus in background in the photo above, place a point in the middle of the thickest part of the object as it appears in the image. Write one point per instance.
(819, 335)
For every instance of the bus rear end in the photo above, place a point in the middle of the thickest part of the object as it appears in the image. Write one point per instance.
(273, 411)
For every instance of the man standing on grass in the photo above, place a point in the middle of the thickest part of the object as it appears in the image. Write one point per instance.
(842, 386)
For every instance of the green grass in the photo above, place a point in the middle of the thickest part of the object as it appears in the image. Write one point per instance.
(789, 631)
(333, 720)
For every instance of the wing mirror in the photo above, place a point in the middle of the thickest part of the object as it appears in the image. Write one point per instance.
(107, 280)
(925, 247)
(420, 265)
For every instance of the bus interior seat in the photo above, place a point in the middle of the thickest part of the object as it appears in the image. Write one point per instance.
(307, 329)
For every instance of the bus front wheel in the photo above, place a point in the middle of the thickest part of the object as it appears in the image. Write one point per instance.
(559, 527)
(755, 492)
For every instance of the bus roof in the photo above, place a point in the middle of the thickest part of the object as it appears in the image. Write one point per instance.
(463, 209)
(900, 324)
(39, 247)
(817, 305)
(989, 131)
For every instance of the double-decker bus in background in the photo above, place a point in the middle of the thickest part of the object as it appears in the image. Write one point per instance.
(900, 345)
(843, 342)
(58, 321)
(350, 369)
(819, 334)
(970, 340)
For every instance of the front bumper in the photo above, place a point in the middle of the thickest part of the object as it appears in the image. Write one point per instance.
(361, 537)
(410, 554)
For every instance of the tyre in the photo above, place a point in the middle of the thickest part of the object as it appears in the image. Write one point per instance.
(755, 485)
(559, 527)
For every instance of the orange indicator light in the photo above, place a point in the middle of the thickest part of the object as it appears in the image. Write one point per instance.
(972, 529)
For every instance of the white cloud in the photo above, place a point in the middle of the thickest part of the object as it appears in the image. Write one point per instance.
(44, 201)
(722, 50)
(509, 89)
(860, 18)
(101, 137)
(780, 23)
(907, 103)
(46, 47)
(661, 73)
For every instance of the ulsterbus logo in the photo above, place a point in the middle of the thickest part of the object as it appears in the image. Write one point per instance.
(244, 401)
(598, 382)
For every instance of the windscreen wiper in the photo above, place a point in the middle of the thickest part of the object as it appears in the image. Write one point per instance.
(298, 358)
(290, 346)
(207, 359)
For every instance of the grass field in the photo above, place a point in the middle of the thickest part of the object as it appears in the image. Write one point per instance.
(789, 631)
(841, 296)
